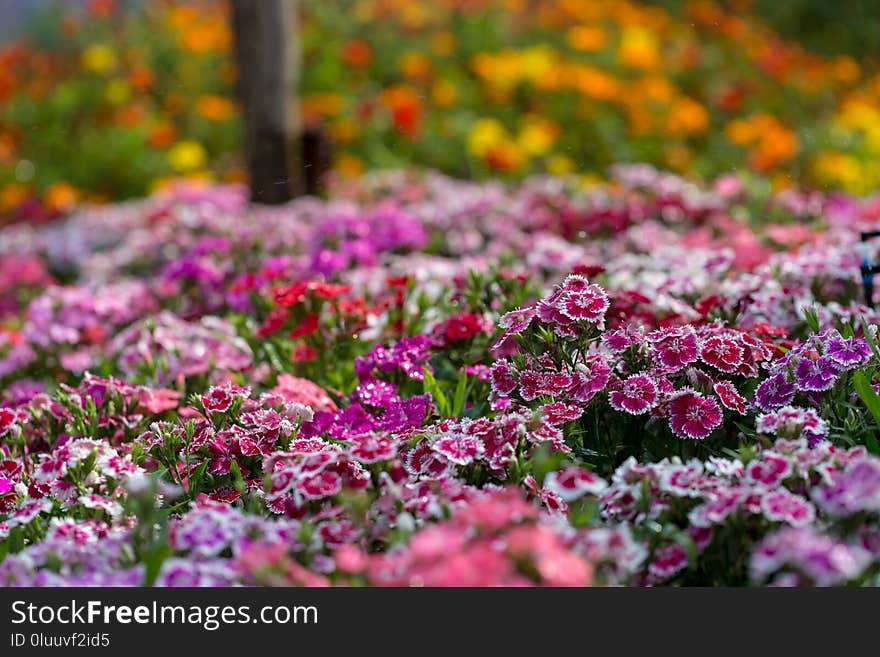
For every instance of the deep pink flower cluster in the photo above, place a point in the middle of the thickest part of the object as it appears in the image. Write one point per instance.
(681, 372)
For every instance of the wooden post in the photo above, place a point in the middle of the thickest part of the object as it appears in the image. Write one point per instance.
(268, 59)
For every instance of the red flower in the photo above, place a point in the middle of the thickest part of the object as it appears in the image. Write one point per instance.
(407, 116)
(306, 327)
(358, 54)
(459, 327)
(289, 295)
(722, 353)
(7, 417)
(274, 322)
(323, 484)
(398, 283)
(218, 400)
(304, 353)
(588, 270)
(730, 398)
(693, 416)
(327, 290)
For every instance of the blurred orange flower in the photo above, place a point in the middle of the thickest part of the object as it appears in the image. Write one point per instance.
(215, 108)
(444, 93)
(358, 54)
(12, 196)
(61, 197)
(130, 115)
(208, 37)
(406, 109)
(416, 65)
(162, 136)
(589, 38)
(506, 157)
(142, 78)
(101, 8)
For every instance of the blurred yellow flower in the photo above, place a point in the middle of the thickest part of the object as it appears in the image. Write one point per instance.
(861, 115)
(537, 61)
(186, 156)
(98, 58)
(560, 165)
(834, 168)
(484, 135)
(639, 48)
(537, 136)
(215, 108)
(117, 91)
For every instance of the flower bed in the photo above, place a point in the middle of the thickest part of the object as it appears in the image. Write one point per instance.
(430, 382)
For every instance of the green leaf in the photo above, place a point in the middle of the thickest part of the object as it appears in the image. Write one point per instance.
(458, 400)
(236, 476)
(812, 318)
(872, 400)
(440, 399)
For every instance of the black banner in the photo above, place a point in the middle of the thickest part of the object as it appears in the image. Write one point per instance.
(404, 621)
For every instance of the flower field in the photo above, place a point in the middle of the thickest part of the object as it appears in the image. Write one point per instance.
(426, 382)
(474, 88)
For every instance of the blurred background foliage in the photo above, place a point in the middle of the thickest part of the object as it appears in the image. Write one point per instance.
(103, 99)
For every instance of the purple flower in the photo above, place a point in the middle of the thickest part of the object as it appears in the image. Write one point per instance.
(826, 561)
(774, 392)
(409, 356)
(848, 352)
(792, 421)
(817, 375)
(405, 414)
(855, 489)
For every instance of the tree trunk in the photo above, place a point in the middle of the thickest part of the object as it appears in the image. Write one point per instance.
(268, 59)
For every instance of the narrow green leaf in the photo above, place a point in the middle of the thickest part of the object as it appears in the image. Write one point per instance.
(458, 400)
(872, 400)
(812, 318)
(440, 399)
